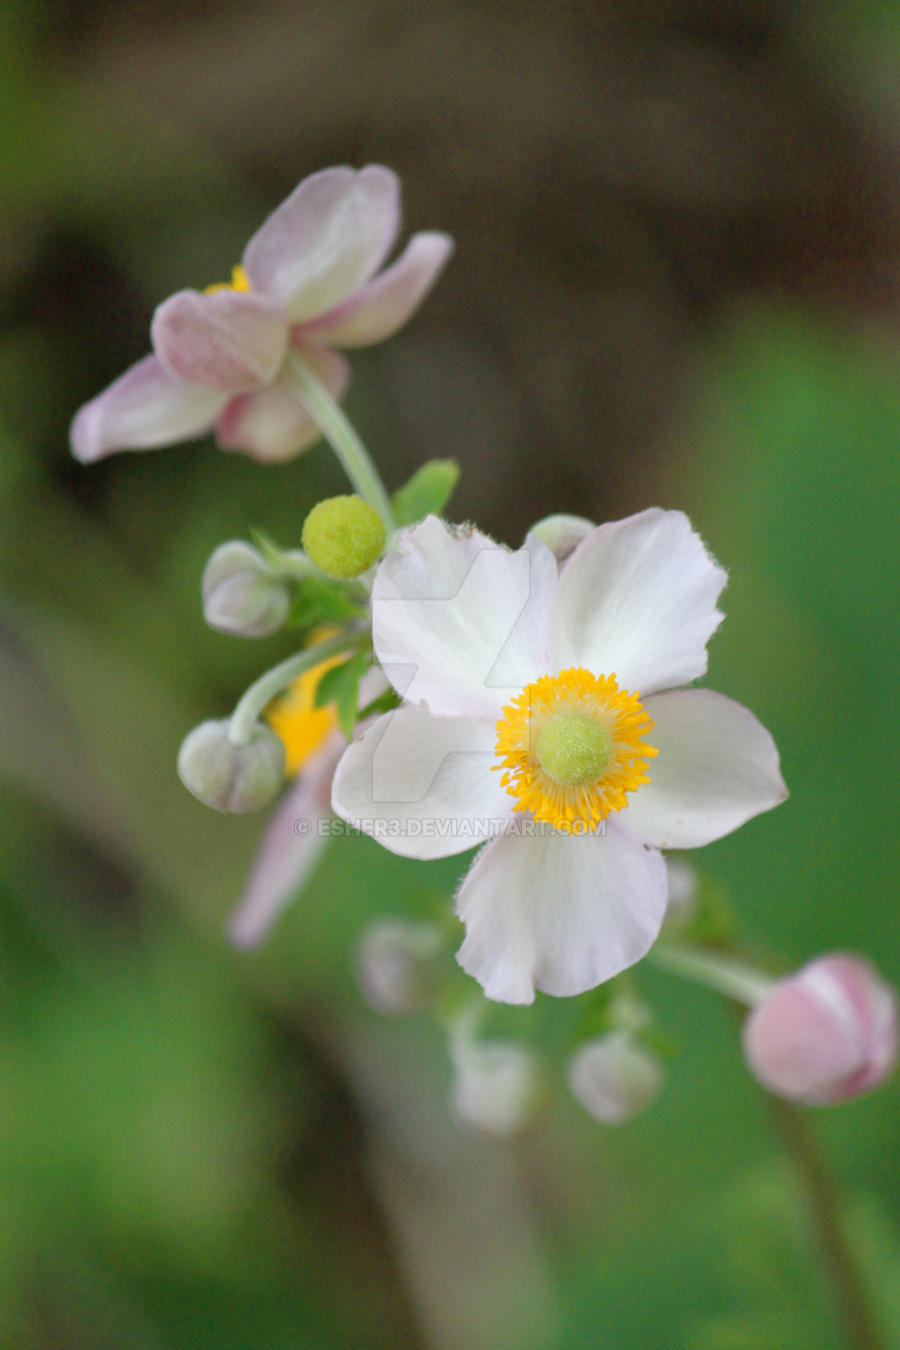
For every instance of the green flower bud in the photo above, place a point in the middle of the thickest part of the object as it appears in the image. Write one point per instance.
(231, 777)
(562, 534)
(343, 536)
(240, 595)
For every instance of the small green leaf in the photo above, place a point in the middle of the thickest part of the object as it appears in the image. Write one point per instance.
(320, 602)
(385, 702)
(264, 542)
(340, 686)
(427, 491)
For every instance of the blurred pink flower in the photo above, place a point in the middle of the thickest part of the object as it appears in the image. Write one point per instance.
(292, 842)
(301, 824)
(308, 283)
(825, 1034)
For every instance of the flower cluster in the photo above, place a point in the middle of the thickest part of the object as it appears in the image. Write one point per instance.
(307, 285)
(449, 691)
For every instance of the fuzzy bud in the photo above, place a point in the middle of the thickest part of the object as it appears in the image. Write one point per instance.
(614, 1077)
(343, 536)
(826, 1034)
(398, 965)
(498, 1087)
(240, 595)
(562, 534)
(231, 777)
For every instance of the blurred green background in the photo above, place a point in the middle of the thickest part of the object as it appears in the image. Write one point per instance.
(676, 283)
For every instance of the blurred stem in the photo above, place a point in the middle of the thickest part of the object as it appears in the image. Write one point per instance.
(849, 1292)
(337, 430)
(732, 978)
(743, 986)
(246, 714)
(288, 563)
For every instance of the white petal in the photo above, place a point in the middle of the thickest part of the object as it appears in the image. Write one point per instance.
(272, 425)
(460, 623)
(421, 785)
(383, 305)
(326, 239)
(141, 410)
(558, 913)
(717, 767)
(228, 340)
(290, 846)
(637, 600)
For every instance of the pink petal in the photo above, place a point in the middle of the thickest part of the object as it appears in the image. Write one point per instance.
(378, 309)
(326, 239)
(290, 847)
(229, 340)
(272, 425)
(825, 1034)
(143, 409)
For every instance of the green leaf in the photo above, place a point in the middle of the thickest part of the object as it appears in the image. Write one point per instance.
(340, 686)
(427, 491)
(385, 702)
(319, 603)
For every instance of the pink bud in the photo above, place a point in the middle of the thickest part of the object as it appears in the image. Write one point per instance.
(826, 1034)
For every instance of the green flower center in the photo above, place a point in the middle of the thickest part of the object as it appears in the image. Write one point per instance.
(573, 748)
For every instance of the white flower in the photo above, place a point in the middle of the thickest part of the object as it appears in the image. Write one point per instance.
(523, 728)
(309, 283)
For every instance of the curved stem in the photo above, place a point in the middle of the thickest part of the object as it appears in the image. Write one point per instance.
(743, 985)
(338, 431)
(799, 1144)
(290, 563)
(246, 714)
(731, 978)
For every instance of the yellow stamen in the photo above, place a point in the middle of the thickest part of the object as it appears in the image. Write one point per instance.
(580, 772)
(239, 282)
(297, 722)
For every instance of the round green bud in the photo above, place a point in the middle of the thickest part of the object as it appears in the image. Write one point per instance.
(573, 748)
(240, 595)
(231, 777)
(343, 536)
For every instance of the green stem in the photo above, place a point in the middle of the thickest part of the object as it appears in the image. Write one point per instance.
(731, 978)
(246, 714)
(743, 985)
(849, 1292)
(342, 438)
(289, 563)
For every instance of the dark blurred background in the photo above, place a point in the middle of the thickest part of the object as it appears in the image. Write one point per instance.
(676, 283)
